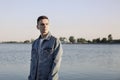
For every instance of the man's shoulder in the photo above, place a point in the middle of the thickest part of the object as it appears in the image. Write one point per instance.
(57, 41)
(55, 38)
(35, 41)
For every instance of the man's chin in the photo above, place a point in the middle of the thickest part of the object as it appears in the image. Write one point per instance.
(45, 33)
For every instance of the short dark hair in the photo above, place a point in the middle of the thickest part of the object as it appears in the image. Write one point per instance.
(41, 17)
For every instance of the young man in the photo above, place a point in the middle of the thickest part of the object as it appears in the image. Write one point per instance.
(46, 53)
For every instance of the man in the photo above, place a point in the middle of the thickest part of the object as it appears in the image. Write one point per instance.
(46, 53)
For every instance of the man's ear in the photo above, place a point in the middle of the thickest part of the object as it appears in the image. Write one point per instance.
(37, 27)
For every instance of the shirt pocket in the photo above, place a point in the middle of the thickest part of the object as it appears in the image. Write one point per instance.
(47, 52)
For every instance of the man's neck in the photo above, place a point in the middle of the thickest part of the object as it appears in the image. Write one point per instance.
(44, 35)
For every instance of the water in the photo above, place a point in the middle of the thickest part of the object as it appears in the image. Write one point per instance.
(79, 62)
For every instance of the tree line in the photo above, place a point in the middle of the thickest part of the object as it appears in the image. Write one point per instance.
(72, 40)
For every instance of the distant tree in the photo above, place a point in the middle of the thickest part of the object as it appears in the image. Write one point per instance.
(26, 41)
(78, 40)
(72, 39)
(81, 40)
(96, 40)
(104, 40)
(63, 39)
(89, 41)
(110, 38)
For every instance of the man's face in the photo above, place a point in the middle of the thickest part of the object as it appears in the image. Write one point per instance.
(43, 26)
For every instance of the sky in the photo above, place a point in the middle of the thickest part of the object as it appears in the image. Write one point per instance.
(87, 19)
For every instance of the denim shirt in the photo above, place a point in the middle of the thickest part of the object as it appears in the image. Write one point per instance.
(45, 59)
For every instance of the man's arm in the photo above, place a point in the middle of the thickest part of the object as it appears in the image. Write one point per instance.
(57, 61)
(32, 63)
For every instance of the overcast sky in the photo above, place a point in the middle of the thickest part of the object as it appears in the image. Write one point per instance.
(80, 18)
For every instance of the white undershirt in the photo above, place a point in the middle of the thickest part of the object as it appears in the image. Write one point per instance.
(41, 41)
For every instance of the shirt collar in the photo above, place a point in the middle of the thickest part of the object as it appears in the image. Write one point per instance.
(47, 37)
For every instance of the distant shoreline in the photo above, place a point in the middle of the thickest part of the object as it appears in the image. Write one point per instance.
(73, 40)
(62, 43)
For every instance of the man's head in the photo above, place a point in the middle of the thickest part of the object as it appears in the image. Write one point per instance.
(43, 25)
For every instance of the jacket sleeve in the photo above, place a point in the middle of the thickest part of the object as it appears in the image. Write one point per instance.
(56, 61)
(32, 64)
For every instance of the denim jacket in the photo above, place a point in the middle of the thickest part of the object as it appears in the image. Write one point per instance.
(45, 59)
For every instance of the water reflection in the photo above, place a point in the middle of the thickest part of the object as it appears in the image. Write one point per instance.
(79, 62)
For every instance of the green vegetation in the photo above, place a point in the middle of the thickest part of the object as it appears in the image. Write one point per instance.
(108, 40)
(73, 40)
(23, 42)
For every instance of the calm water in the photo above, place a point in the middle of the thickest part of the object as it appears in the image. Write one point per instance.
(80, 62)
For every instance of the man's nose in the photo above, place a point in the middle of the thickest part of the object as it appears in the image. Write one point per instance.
(44, 25)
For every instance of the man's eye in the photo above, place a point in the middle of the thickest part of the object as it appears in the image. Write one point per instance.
(42, 24)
